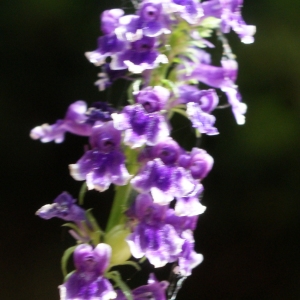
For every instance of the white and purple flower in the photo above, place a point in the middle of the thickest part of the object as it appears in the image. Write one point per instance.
(88, 282)
(104, 163)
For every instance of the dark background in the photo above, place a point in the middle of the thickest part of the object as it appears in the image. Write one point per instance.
(249, 234)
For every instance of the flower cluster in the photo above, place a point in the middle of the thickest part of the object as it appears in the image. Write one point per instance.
(166, 51)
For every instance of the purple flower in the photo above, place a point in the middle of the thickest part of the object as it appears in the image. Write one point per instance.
(165, 182)
(105, 163)
(199, 162)
(88, 282)
(151, 21)
(162, 236)
(229, 11)
(153, 99)
(158, 241)
(224, 78)
(217, 77)
(74, 122)
(142, 55)
(154, 290)
(140, 126)
(107, 46)
(63, 207)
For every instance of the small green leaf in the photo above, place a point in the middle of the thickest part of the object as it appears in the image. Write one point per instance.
(82, 193)
(65, 258)
(73, 226)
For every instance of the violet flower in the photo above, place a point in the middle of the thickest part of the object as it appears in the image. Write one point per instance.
(109, 43)
(63, 207)
(153, 99)
(163, 177)
(140, 126)
(74, 122)
(229, 11)
(151, 21)
(141, 55)
(163, 181)
(223, 78)
(198, 162)
(162, 236)
(158, 241)
(105, 163)
(88, 282)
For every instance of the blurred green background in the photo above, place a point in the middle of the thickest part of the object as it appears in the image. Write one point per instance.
(250, 233)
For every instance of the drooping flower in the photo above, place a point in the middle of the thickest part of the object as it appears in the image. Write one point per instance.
(229, 11)
(63, 207)
(88, 282)
(224, 78)
(105, 163)
(154, 290)
(74, 122)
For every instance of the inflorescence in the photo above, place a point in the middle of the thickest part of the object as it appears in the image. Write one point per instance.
(164, 51)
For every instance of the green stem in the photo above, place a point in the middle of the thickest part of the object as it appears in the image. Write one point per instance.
(122, 194)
